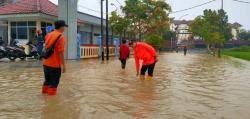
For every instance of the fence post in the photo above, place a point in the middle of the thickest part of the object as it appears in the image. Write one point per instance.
(116, 43)
(99, 42)
(78, 41)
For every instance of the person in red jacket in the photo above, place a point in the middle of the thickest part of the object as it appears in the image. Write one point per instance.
(124, 53)
(147, 54)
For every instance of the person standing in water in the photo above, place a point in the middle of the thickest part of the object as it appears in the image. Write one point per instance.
(39, 41)
(124, 53)
(185, 50)
(54, 65)
(146, 53)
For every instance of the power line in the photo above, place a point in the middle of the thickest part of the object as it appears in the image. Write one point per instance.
(89, 9)
(118, 2)
(193, 7)
(96, 11)
(242, 1)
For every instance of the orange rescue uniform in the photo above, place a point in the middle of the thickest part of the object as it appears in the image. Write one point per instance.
(54, 60)
(144, 52)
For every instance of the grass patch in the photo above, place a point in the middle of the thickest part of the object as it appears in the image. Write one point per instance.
(242, 52)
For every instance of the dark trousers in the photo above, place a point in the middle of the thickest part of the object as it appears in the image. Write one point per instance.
(52, 76)
(185, 52)
(123, 62)
(149, 68)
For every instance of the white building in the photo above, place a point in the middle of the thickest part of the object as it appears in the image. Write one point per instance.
(182, 29)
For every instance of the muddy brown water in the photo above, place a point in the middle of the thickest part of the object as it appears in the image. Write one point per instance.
(197, 86)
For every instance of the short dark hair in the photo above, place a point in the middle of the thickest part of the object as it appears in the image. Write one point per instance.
(60, 23)
(124, 41)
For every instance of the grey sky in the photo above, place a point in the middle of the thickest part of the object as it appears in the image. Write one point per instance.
(238, 12)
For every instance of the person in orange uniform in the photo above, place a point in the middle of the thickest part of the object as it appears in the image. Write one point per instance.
(54, 65)
(124, 53)
(146, 53)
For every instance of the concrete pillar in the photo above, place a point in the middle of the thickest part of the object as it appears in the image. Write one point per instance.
(68, 12)
(9, 32)
(38, 25)
(92, 34)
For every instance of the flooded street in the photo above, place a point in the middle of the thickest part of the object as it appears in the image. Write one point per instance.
(197, 86)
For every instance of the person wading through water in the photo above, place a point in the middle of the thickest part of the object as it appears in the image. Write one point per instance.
(124, 53)
(147, 54)
(54, 65)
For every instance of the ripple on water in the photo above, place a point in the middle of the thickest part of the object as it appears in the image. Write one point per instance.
(193, 87)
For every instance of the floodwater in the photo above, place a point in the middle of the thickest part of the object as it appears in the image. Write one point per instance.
(197, 86)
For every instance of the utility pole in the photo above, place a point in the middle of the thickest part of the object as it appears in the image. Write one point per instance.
(107, 30)
(222, 9)
(102, 29)
(222, 4)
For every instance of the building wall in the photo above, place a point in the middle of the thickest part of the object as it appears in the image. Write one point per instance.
(3, 34)
(90, 32)
(234, 33)
(183, 30)
(3, 31)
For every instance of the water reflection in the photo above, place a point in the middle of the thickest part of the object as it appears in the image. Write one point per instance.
(197, 86)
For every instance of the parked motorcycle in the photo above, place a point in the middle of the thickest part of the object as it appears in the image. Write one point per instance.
(7, 52)
(11, 53)
(27, 51)
(3, 52)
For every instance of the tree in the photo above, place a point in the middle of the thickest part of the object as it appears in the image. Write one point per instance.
(212, 27)
(244, 34)
(154, 40)
(147, 16)
(118, 24)
(225, 27)
(169, 35)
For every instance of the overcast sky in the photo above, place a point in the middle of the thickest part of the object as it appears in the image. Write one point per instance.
(238, 12)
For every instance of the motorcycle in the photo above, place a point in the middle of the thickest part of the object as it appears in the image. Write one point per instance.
(27, 51)
(3, 52)
(7, 52)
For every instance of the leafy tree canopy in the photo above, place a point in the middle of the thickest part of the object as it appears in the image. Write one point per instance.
(147, 16)
(155, 40)
(212, 27)
(244, 35)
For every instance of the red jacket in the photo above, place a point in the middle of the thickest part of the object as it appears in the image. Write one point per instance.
(144, 52)
(124, 51)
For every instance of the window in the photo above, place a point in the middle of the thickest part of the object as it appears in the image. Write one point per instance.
(85, 37)
(32, 24)
(20, 30)
(22, 24)
(22, 33)
(13, 33)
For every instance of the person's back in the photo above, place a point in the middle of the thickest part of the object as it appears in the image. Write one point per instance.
(54, 65)
(40, 41)
(54, 60)
(124, 53)
(185, 50)
(146, 53)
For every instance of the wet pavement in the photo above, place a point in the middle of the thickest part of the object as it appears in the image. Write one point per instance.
(197, 86)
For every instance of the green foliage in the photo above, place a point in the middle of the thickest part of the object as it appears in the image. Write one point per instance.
(147, 16)
(242, 49)
(225, 29)
(169, 35)
(212, 27)
(237, 54)
(242, 52)
(155, 40)
(117, 23)
(244, 35)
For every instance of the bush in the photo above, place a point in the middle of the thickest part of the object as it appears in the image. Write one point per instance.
(242, 49)
(155, 40)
